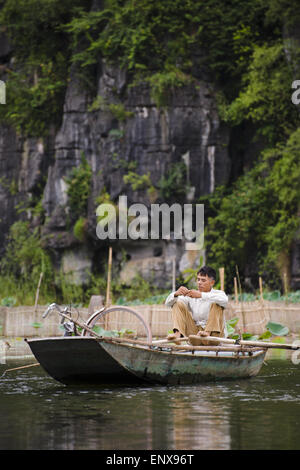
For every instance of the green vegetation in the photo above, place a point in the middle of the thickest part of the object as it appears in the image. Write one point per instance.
(24, 260)
(33, 105)
(173, 185)
(265, 97)
(8, 301)
(122, 333)
(137, 181)
(277, 328)
(36, 85)
(116, 109)
(237, 46)
(103, 198)
(272, 328)
(175, 31)
(140, 291)
(258, 219)
(79, 188)
(164, 84)
(79, 229)
(141, 182)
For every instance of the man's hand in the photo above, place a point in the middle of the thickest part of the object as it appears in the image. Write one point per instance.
(194, 294)
(181, 291)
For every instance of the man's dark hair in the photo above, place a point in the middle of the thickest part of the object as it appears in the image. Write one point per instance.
(207, 271)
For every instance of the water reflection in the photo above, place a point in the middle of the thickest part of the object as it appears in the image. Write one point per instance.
(259, 413)
(199, 411)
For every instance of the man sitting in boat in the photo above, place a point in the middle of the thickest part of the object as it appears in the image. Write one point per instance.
(198, 312)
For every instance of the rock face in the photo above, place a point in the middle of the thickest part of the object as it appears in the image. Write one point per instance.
(120, 130)
(148, 139)
(23, 166)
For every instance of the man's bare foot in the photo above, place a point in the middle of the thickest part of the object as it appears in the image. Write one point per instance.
(203, 333)
(174, 336)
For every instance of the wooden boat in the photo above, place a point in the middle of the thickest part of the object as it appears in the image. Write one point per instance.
(93, 359)
(79, 359)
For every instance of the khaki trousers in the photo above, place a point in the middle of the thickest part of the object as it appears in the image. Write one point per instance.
(184, 322)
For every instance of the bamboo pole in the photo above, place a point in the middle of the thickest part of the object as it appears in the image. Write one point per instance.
(261, 288)
(107, 303)
(238, 278)
(216, 348)
(174, 274)
(182, 347)
(262, 344)
(22, 367)
(262, 299)
(285, 283)
(221, 274)
(108, 277)
(164, 341)
(242, 343)
(236, 295)
(38, 293)
(240, 291)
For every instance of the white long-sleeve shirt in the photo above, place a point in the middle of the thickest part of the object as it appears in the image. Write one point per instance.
(199, 307)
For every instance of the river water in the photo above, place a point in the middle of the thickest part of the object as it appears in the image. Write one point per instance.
(263, 412)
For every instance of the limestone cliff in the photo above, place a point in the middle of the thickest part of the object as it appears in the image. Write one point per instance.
(188, 131)
(121, 131)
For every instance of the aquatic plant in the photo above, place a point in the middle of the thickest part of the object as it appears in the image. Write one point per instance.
(277, 329)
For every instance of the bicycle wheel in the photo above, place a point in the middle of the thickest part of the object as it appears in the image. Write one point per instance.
(98, 317)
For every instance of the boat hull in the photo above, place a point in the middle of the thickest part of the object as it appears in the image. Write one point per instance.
(177, 368)
(86, 360)
(78, 360)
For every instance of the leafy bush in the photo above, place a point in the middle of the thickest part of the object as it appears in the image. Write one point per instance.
(116, 109)
(34, 104)
(259, 218)
(79, 229)
(165, 83)
(164, 40)
(174, 185)
(265, 97)
(79, 188)
(8, 301)
(137, 181)
(37, 81)
(24, 260)
(25, 255)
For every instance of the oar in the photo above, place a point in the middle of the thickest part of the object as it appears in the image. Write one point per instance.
(262, 344)
(17, 368)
